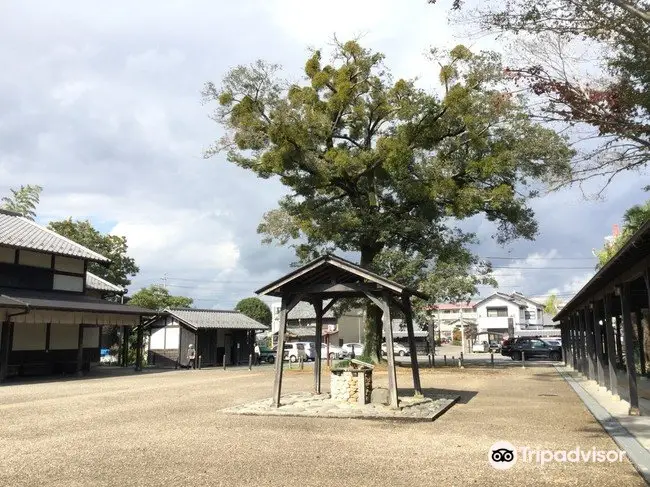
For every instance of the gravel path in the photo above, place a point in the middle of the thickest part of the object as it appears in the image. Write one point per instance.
(166, 429)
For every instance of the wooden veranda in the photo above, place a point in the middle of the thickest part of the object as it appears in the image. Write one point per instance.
(331, 277)
(605, 326)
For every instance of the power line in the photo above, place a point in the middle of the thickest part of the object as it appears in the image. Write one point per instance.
(539, 258)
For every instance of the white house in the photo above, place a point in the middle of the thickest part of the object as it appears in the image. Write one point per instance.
(509, 313)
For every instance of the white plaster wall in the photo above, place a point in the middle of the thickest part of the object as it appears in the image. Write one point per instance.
(29, 336)
(172, 338)
(91, 337)
(513, 309)
(7, 254)
(63, 337)
(35, 259)
(68, 264)
(68, 283)
(157, 339)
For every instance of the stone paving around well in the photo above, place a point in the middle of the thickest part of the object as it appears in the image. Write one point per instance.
(307, 404)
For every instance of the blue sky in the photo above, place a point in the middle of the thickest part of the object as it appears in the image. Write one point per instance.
(102, 107)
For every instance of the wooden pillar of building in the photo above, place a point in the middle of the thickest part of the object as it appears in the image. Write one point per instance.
(125, 345)
(277, 385)
(138, 351)
(598, 343)
(388, 333)
(619, 343)
(415, 367)
(629, 349)
(574, 341)
(611, 347)
(566, 343)
(638, 323)
(589, 346)
(80, 351)
(318, 308)
(582, 363)
(5, 349)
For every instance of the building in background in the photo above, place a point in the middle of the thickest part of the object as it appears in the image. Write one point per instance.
(301, 323)
(449, 316)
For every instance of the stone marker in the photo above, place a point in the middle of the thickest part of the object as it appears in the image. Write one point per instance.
(379, 396)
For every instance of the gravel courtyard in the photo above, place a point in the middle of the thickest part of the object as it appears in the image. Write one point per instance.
(166, 429)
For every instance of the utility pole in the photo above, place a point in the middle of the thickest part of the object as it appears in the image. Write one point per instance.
(462, 329)
(164, 280)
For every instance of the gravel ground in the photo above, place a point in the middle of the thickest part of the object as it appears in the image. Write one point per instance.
(166, 429)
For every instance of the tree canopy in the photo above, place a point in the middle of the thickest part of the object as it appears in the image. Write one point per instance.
(158, 297)
(551, 305)
(23, 200)
(375, 165)
(616, 104)
(633, 220)
(256, 309)
(113, 247)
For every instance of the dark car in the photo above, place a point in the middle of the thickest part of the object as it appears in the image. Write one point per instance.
(506, 346)
(534, 348)
(268, 355)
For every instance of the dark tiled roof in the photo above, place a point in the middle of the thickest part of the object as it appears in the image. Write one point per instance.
(212, 318)
(19, 232)
(99, 284)
(66, 302)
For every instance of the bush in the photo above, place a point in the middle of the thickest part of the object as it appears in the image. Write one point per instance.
(456, 343)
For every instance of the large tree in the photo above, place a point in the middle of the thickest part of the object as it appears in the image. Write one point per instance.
(23, 200)
(375, 165)
(158, 297)
(615, 102)
(256, 309)
(113, 247)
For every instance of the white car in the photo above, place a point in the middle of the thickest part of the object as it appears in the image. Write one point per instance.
(482, 346)
(348, 347)
(398, 349)
(335, 351)
(310, 350)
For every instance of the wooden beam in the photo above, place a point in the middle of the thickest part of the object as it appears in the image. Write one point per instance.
(574, 341)
(378, 302)
(638, 322)
(279, 363)
(598, 342)
(388, 331)
(318, 308)
(138, 350)
(329, 305)
(337, 288)
(611, 347)
(591, 349)
(415, 369)
(80, 350)
(629, 350)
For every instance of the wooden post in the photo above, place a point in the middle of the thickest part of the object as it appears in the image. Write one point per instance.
(598, 342)
(125, 345)
(619, 343)
(80, 351)
(574, 341)
(388, 331)
(611, 349)
(415, 368)
(639, 333)
(277, 384)
(591, 370)
(138, 351)
(581, 343)
(629, 349)
(5, 348)
(318, 308)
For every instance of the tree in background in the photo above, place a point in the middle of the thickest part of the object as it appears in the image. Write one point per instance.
(376, 165)
(23, 200)
(551, 305)
(113, 247)
(616, 103)
(157, 297)
(633, 220)
(255, 309)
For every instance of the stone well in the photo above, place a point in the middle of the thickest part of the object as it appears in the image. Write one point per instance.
(352, 384)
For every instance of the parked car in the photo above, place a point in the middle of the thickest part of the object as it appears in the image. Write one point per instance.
(335, 352)
(348, 347)
(310, 350)
(481, 346)
(534, 347)
(268, 354)
(293, 351)
(506, 346)
(398, 349)
(494, 346)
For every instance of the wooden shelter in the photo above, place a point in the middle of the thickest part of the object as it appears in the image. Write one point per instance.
(602, 327)
(331, 277)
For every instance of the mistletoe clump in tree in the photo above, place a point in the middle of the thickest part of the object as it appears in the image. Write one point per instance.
(383, 167)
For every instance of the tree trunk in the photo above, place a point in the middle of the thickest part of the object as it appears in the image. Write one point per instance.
(373, 325)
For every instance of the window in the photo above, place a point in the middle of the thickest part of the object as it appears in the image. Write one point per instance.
(537, 344)
(497, 312)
